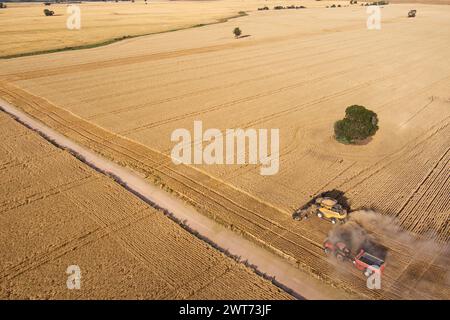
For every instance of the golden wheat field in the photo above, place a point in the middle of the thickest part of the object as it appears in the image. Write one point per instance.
(25, 28)
(124, 248)
(294, 70)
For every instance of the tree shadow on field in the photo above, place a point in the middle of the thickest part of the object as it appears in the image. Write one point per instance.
(244, 36)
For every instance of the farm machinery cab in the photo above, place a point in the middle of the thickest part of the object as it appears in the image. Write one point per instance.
(330, 209)
(363, 260)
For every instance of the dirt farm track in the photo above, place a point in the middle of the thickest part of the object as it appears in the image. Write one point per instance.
(296, 70)
(112, 235)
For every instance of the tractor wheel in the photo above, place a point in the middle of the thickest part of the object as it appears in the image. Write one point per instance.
(327, 251)
(339, 257)
(319, 214)
(367, 272)
(333, 221)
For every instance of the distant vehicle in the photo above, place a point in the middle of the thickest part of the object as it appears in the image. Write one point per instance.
(364, 261)
(412, 13)
(49, 12)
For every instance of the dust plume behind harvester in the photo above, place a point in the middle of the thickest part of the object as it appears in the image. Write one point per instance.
(347, 240)
(373, 243)
(377, 243)
(351, 242)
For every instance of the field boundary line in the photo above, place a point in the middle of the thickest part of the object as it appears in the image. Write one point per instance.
(117, 39)
(91, 159)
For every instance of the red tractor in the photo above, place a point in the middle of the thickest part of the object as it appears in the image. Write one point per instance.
(338, 249)
(363, 260)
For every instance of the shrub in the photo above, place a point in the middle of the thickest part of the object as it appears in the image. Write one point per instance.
(48, 12)
(2, 5)
(378, 3)
(237, 32)
(358, 124)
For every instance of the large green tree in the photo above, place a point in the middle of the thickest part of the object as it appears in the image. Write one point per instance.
(359, 124)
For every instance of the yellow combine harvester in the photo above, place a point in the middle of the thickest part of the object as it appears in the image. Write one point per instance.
(325, 208)
(330, 209)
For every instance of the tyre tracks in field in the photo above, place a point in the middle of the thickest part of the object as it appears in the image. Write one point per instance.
(415, 213)
(281, 238)
(355, 182)
(139, 187)
(222, 59)
(27, 75)
(6, 206)
(270, 232)
(278, 114)
(62, 249)
(268, 228)
(273, 64)
(262, 228)
(283, 112)
(266, 93)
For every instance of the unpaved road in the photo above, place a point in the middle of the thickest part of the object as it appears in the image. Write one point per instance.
(285, 274)
(56, 211)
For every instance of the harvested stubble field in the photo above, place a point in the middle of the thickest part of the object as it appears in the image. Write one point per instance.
(55, 211)
(297, 71)
(25, 29)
